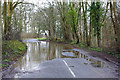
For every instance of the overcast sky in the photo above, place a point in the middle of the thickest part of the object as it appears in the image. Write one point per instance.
(35, 1)
(39, 2)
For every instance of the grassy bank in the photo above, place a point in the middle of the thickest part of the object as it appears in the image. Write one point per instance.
(11, 51)
(82, 45)
(42, 39)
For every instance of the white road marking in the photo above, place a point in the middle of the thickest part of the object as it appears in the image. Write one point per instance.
(69, 68)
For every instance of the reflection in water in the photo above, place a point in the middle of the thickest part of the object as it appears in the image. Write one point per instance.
(96, 63)
(39, 52)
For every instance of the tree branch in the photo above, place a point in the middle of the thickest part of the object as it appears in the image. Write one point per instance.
(105, 12)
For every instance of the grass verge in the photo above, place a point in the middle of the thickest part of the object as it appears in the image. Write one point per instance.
(42, 39)
(11, 51)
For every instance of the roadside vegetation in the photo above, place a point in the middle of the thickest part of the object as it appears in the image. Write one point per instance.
(42, 39)
(11, 51)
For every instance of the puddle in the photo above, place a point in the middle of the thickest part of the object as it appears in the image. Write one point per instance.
(96, 63)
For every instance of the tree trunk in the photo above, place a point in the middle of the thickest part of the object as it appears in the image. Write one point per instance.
(1, 19)
(74, 27)
(21, 18)
(86, 28)
(104, 19)
(115, 25)
(90, 32)
(116, 22)
(80, 22)
(5, 17)
(25, 18)
(52, 23)
(85, 23)
(9, 35)
(9, 16)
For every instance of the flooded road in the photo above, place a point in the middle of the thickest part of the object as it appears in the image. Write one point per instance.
(61, 61)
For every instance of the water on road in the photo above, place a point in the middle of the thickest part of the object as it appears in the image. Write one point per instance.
(39, 52)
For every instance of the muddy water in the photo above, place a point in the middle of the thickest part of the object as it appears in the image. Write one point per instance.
(41, 51)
